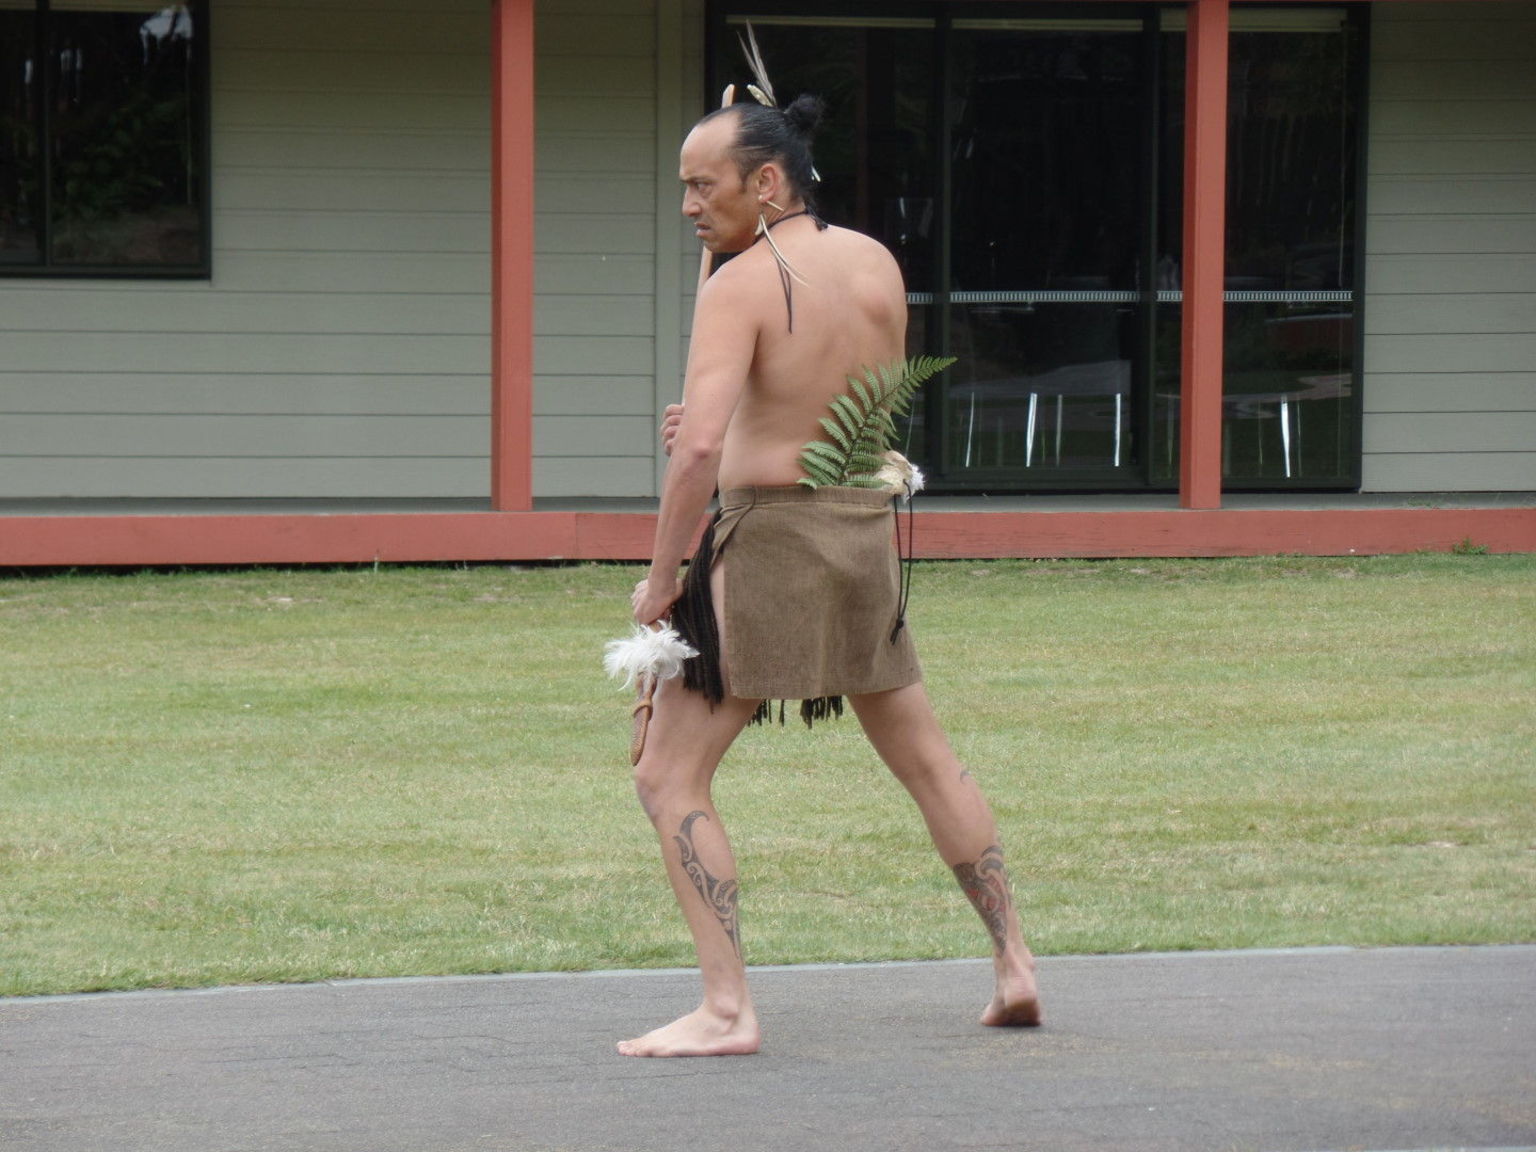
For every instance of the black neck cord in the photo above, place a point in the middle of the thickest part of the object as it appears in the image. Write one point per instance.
(784, 276)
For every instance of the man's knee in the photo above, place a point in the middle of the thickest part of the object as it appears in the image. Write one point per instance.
(648, 787)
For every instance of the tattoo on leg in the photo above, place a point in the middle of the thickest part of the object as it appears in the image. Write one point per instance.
(720, 895)
(965, 774)
(986, 884)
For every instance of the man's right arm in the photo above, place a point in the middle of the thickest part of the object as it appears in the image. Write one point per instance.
(719, 361)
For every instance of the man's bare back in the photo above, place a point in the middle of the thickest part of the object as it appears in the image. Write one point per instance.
(850, 313)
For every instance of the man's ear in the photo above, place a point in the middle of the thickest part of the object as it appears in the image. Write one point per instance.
(769, 182)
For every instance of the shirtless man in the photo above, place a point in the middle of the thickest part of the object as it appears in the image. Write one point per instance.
(767, 357)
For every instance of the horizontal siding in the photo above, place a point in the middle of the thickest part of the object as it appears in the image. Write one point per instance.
(1455, 472)
(628, 475)
(379, 190)
(1492, 312)
(436, 152)
(342, 345)
(115, 392)
(276, 476)
(207, 352)
(171, 437)
(106, 306)
(1450, 392)
(595, 273)
(1450, 316)
(347, 322)
(614, 395)
(1467, 119)
(352, 112)
(1458, 433)
(1452, 233)
(1436, 273)
(1451, 352)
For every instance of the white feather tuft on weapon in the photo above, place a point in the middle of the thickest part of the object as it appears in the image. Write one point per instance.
(899, 476)
(657, 652)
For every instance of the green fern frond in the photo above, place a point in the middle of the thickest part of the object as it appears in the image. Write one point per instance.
(835, 430)
(863, 423)
(851, 415)
(829, 452)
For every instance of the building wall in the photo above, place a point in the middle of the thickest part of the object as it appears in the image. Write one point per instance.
(342, 346)
(595, 278)
(1450, 271)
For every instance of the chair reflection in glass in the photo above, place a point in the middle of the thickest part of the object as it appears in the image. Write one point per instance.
(1082, 401)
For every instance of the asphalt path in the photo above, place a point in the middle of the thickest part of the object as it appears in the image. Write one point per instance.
(1278, 1051)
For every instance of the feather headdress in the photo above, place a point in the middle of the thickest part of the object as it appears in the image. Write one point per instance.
(762, 91)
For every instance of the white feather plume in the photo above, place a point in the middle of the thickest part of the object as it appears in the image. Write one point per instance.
(762, 91)
(647, 652)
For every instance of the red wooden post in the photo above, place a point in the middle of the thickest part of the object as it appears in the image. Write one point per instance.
(1205, 204)
(512, 255)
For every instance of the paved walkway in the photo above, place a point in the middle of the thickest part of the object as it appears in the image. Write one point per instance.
(1406, 1048)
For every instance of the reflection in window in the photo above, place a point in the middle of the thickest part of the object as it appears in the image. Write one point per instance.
(1287, 400)
(1289, 406)
(1046, 171)
(116, 92)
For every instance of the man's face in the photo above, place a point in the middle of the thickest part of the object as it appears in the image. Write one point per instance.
(722, 206)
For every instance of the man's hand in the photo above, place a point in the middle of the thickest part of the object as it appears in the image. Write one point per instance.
(650, 606)
(671, 420)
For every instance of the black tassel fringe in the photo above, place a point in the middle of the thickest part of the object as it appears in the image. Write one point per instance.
(694, 618)
(818, 708)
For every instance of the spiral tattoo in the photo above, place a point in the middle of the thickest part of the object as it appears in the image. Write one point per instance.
(985, 883)
(720, 895)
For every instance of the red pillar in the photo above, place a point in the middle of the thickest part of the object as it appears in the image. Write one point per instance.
(512, 255)
(1205, 204)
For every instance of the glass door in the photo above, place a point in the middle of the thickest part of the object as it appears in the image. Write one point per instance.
(1047, 179)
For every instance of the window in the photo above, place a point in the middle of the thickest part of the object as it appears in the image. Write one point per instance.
(1025, 164)
(103, 138)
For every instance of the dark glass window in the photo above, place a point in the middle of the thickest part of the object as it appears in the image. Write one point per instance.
(1289, 407)
(1046, 172)
(1025, 163)
(103, 137)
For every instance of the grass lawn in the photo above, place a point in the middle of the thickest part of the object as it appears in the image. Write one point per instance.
(288, 775)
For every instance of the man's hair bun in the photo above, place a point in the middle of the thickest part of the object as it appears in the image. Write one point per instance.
(804, 114)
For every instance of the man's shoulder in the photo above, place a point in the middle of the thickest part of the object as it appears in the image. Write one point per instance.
(860, 242)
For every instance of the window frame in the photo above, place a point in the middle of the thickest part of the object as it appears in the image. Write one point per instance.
(45, 268)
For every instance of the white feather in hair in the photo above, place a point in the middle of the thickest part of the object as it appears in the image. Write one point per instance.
(656, 652)
(762, 91)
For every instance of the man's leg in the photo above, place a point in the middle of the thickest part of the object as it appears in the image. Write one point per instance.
(905, 732)
(683, 747)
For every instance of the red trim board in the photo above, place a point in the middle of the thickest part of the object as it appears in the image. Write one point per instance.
(144, 541)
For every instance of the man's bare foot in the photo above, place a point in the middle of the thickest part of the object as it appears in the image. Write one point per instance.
(1016, 1002)
(700, 1033)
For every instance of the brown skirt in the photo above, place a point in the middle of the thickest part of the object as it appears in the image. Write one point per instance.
(812, 598)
